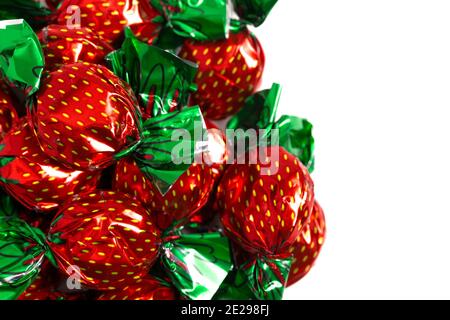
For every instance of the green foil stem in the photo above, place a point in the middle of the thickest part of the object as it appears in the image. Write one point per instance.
(197, 264)
(294, 134)
(22, 251)
(21, 55)
(168, 146)
(197, 19)
(158, 77)
(254, 12)
(267, 277)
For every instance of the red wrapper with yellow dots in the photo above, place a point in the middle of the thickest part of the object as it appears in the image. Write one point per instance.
(230, 70)
(109, 17)
(62, 45)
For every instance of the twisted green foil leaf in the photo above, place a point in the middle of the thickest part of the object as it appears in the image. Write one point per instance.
(22, 250)
(21, 56)
(200, 20)
(168, 146)
(197, 263)
(254, 12)
(295, 134)
(267, 277)
(158, 77)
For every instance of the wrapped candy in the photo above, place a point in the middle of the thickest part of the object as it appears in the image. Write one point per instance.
(267, 206)
(230, 70)
(265, 214)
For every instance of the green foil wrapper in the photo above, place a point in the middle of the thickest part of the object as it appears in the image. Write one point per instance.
(22, 251)
(267, 277)
(254, 12)
(161, 79)
(21, 56)
(168, 146)
(200, 20)
(235, 287)
(197, 264)
(295, 134)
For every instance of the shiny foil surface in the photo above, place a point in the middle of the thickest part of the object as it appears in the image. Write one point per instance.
(62, 45)
(8, 114)
(108, 18)
(35, 180)
(188, 195)
(83, 115)
(108, 235)
(308, 245)
(264, 214)
(49, 285)
(230, 70)
(148, 288)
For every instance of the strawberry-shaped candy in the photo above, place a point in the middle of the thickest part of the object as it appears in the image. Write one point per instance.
(109, 236)
(35, 180)
(264, 209)
(108, 18)
(149, 288)
(230, 71)
(265, 212)
(8, 114)
(267, 201)
(63, 45)
(84, 115)
(307, 246)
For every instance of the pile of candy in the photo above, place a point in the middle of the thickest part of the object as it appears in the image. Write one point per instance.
(115, 182)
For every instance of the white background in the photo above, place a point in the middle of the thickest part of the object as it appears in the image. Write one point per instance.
(374, 78)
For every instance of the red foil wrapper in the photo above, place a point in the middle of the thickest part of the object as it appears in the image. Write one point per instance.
(230, 71)
(8, 114)
(188, 195)
(307, 246)
(35, 180)
(109, 236)
(265, 213)
(62, 45)
(148, 288)
(108, 18)
(84, 116)
(50, 285)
